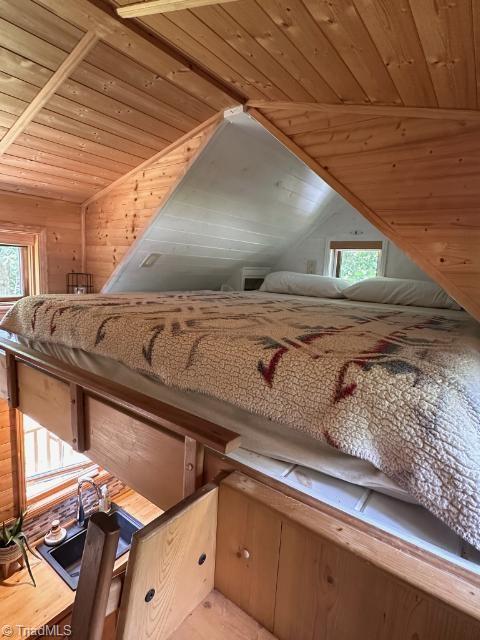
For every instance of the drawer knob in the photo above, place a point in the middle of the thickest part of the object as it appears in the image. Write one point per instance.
(245, 554)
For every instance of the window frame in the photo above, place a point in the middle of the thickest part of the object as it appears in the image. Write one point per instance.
(26, 261)
(334, 245)
(33, 240)
(52, 496)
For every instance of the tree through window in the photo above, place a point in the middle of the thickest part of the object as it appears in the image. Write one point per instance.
(354, 261)
(11, 272)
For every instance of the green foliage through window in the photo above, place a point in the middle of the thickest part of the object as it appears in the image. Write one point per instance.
(10, 272)
(358, 264)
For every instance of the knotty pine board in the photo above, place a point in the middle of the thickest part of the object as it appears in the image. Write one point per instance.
(8, 475)
(116, 220)
(415, 179)
(418, 53)
(62, 223)
(304, 575)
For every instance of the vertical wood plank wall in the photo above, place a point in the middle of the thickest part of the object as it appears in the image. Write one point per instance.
(308, 588)
(415, 179)
(62, 223)
(8, 475)
(116, 220)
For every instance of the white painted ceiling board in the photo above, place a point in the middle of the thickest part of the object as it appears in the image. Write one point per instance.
(244, 201)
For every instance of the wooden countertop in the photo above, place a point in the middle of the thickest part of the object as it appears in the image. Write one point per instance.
(22, 605)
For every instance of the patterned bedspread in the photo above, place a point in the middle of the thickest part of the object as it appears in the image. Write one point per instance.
(398, 388)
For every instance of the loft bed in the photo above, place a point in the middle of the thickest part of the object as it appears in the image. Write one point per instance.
(165, 450)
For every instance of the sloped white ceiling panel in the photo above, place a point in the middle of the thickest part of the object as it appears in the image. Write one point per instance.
(244, 201)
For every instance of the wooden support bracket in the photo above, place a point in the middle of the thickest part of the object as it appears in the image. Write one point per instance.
(78, 418)
(12, 380)
(193, 466)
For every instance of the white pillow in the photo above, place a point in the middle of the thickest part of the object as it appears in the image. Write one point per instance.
(304, 284)
(417, 293)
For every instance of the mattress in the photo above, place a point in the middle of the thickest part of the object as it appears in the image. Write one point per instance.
(397, 387)
(259, 434)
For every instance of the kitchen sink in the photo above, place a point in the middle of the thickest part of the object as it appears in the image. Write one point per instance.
(66, 558)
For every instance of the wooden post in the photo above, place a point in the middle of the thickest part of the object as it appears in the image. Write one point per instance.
(91, 599)
(77, 417)
(12, 381)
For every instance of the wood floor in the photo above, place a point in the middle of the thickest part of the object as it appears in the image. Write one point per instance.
(217, 618)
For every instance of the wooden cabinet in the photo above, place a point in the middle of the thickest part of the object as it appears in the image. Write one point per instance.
(171, 568)
(248, 547)
(242, 560)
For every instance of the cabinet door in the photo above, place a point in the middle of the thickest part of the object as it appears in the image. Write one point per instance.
(248, 550)
(306, 574)
(170, 569)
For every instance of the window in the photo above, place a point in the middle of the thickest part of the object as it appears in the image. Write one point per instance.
(354, 261)
(50, 463)
(13, 272)
(23, 263)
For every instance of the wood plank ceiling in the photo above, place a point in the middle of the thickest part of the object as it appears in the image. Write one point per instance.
(380, 97)
(402, 52)
(133, 95)
(107, 116)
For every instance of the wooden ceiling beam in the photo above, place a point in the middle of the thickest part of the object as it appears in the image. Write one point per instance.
(151, 7)
(374, 110)
(73, 59)
(150, 51)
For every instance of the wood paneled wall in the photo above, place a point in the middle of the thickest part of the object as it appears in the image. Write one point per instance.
(62, 222)
(242, 203)
(415, 179)
(115, 220)
(8, 452)
(275, 561)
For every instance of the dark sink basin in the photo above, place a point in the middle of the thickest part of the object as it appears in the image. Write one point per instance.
(66, 558)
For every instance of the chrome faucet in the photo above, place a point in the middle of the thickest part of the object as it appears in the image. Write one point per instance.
(80, 509)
